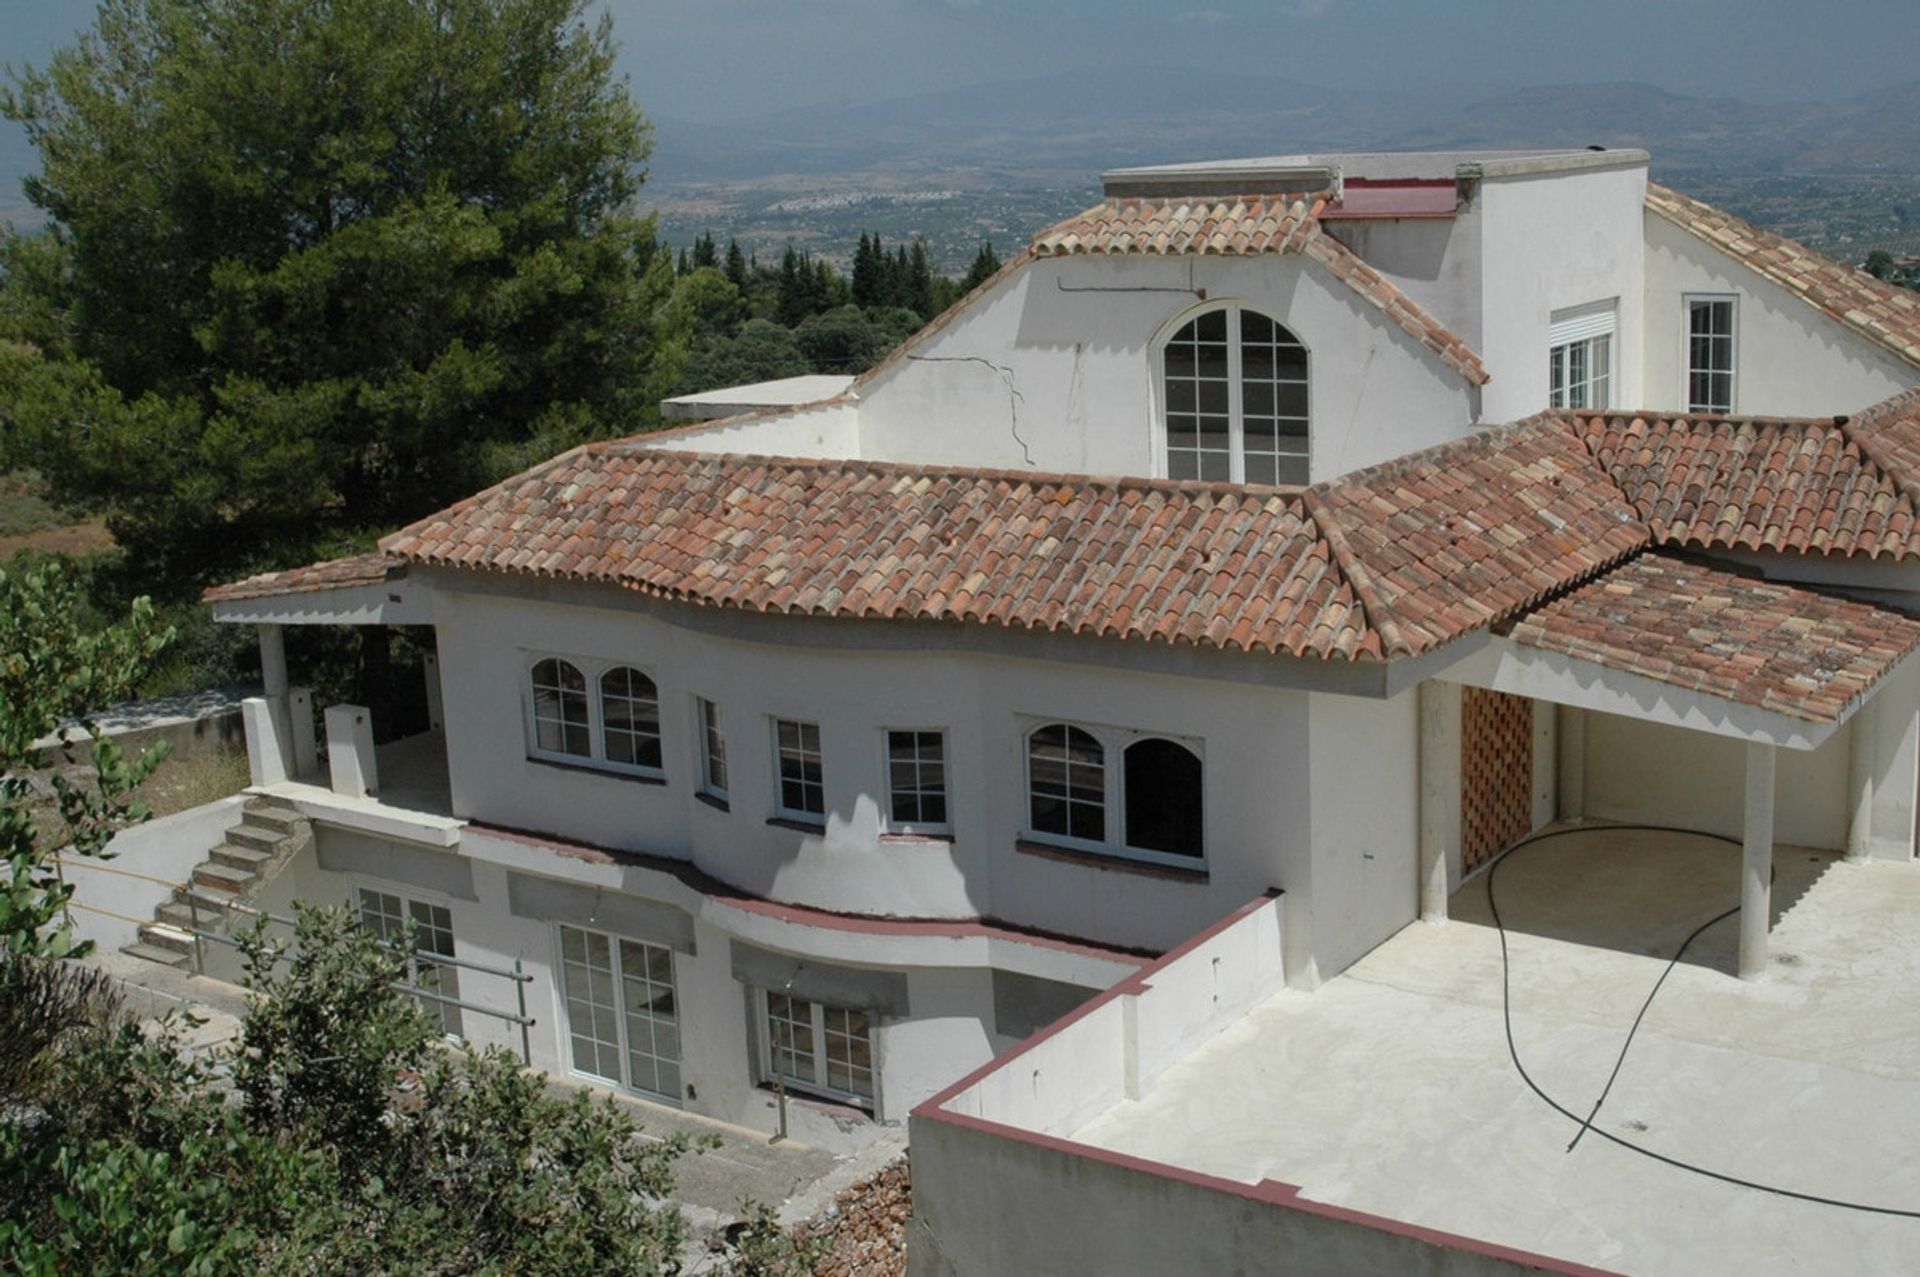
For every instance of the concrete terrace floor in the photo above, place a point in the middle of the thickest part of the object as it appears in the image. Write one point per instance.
(1390, 1089)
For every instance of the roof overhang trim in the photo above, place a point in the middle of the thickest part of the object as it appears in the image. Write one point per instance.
(1508, 665)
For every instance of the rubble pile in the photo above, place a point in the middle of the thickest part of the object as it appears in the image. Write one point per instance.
(865, 1230)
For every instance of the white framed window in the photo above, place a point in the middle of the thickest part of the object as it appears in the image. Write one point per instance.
(811, 1046)
(623, 1018)
(800, 780)
(1128, 793)
(1711, 342)
(713, 748)
(1580, 356)
(386, 915)
(1233, 392)
(917, 781)
(598, 713)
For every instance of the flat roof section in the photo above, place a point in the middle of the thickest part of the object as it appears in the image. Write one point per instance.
(1312, 172)
(1389, 1090)
(729, 401)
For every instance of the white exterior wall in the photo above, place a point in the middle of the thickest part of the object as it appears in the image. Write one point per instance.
(1364, 885)
(1789, 359)
(1082, 364)
(108, 906)
(1435, 261)
(829, 430)
(1253, 742)
(1552, 241)
(1655, 774)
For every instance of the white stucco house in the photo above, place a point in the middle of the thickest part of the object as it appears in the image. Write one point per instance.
(1196, 606)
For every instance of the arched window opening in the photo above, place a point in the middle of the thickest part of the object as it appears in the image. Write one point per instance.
(1067, 783)
(560, 709)
(1234, 399)
(630, 718)
(1163, 786)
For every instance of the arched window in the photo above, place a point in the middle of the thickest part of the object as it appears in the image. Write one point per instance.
(1234, 399)
(560, 709)
(630, 718)
(1067, 783)
(1162, 783)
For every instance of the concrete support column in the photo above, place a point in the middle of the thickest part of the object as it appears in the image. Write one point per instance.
(1862, 734)
(436, 707)
(1439, 794)
(273, 675)
(1573, 763)
(350, 761)
(306, 759)
(1756, 864)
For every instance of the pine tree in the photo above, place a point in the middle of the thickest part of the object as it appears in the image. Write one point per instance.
(736, 266)
(985, 263)
(866, 272)
(704, 252)
(920, 281)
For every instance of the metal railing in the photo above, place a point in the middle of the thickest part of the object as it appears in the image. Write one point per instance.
(202, 934)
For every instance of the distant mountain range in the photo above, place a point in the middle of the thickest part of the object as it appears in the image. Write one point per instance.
(1084, 121)
(1070, 126)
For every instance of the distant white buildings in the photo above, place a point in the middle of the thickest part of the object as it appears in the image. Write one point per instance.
(842, 746)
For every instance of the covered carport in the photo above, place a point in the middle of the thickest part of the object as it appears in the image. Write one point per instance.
(1679, 667)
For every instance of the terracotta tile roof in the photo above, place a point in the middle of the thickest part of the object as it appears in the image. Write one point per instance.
(1889, 433)
(1248, 225)
(1790, 650)
(1454, 538)
(1883, 313)
(1209, 565)
(1756, 483)
(334, 574)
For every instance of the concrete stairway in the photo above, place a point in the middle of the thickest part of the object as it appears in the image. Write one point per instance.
(249, 855)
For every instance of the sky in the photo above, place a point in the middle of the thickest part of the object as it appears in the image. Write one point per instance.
(730, 60)
(726, 60)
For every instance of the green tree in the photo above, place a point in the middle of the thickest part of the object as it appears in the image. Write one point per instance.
(737, 267)
(326, 267)
(985, 263)
(358, 1145)
(49, 672)
(760, 351)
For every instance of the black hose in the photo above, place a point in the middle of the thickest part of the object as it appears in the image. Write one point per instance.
(1586, 1123)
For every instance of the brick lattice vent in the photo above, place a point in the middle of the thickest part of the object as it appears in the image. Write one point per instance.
(1496, 774)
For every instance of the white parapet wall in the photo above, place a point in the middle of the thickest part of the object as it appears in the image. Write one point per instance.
(114, 894)
(1116, 1046)
(1001, 1186)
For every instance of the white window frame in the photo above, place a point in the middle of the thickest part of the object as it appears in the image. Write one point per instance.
(592, 669)
(1236, 389)
(1732, 301)
(449, 975)
(563, 1014)
(1595, 328)
(817, 1084)
(709, 727)
(888, 821)
(780, 808)
(1113, 745)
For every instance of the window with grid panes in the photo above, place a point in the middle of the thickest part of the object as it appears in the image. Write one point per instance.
(815, 1047)
(630, 719)
(560, 723)
(386, 915)
(623, 1022)
(1234, 399)
(1067, 783)
(917, 780)
(1710, 354)
(802, 784)
(713, 761)
(1580, 356)
(1127, 793)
